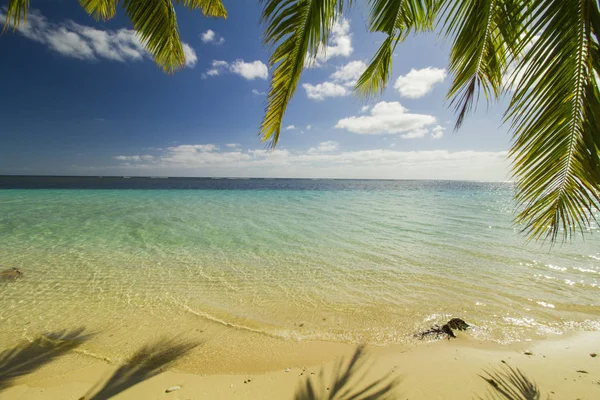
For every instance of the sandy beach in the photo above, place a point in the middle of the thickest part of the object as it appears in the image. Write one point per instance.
(563, 367)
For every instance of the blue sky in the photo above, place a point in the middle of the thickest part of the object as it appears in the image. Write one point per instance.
(81, 97)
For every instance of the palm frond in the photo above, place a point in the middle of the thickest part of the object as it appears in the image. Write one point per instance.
(16, 12)
(210, 8)
(555, 113)
(396, 18)
(484, 32)
(100, 9)
(375, 78)
(347, 383)
(156, 24)
(295, 27)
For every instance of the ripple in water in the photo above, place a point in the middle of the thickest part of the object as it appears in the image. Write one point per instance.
(350, 261)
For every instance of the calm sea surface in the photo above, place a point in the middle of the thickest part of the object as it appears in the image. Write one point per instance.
(340, 260)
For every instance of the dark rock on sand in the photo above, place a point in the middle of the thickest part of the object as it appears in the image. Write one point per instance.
(11, 274)
(446, 329)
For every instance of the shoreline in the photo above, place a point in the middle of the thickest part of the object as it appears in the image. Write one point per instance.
(442, 369)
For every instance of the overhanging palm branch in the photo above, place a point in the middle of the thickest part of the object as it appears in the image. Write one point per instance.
(154, 20)
(396, 18)
(16, 12)
(296, 28)
(555, 113)
(484, 33)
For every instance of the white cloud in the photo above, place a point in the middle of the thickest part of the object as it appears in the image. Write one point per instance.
(388, 118)
(340, 44)
(257, 93)
(326, 89)
(324, 147)
(190, 55)
(211, 36)
(437, 132)
(219, 64)
(418, 82)
(233, 145)
(322, 161)
(290, 127)
(87, 43)
(348, 74)
(308, 127)
(145, 157)
(250, 70)
(341, 80)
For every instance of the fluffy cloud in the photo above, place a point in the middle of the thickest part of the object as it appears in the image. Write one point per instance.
(418, 82)
(349, 73)
(324, 147)
(437, 132)
(87, 43)
(342, 79)
(340, 44)
(233, 145)
(248, 70)
(388, 118)
(211, 36)
(326, 89)
(322, 161)
(308, 127)
(145, 157)
(258, 93)
(290, 127)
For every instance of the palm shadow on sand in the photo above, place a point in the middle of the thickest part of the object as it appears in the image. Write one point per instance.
(25, 358)
(511, 384)
(346, 382)
(147, 362)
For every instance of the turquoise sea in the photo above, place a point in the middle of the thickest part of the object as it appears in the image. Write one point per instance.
(338, 260)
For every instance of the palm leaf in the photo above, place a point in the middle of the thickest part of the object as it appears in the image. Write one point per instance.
(100, 9)
(210, 8)
(555, 114)
(156, 24)
(17, 11)
(295, 28)
(396, 18)
(485, 33)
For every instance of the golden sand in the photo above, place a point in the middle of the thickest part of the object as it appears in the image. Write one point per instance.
(562, 367)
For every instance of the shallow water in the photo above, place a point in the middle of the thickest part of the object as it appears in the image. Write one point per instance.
(352, 261)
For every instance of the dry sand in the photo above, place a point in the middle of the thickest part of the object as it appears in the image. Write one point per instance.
(439, 370)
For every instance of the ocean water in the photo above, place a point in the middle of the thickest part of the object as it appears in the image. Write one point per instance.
(337, 260)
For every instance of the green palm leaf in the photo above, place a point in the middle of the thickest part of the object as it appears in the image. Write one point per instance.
(100, 9)
(396, 18)
(484, 33)
(210, 8)
(156, 24)
(17, 11)
(555, 116)
(296, 28)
